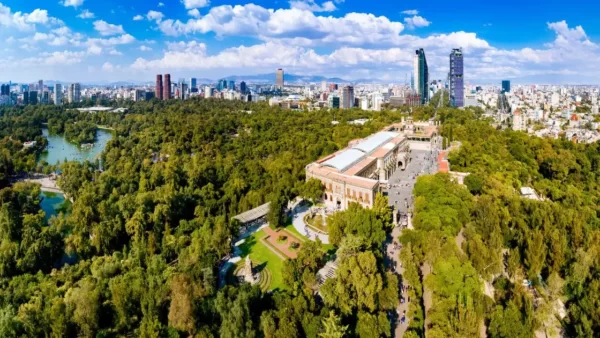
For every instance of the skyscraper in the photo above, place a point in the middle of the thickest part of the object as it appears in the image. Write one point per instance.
(167, 87)
(74, 93)
(158, 91)
(207, 92)
(26, 97)
(505, 86)
(193, 85)
(231, 85)
(182, 90)
(5, 90)
(279, 79)
(347, 100)
(40, 86)
(243, 87)
(421, 75)
(33, 97)
(455, 77)
(58, 94)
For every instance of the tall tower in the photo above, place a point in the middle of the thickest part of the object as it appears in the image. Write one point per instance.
(167, 87)
(421, 72)
(158, 91)
(279, 79)
(58, 94)
(456, 79)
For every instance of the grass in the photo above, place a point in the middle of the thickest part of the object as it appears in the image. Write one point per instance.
(262, 256)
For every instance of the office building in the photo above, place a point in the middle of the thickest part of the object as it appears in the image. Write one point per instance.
(347, 97)
(182, 90)
(193, 85)
(333, 101)
(167, 87)
(231, 85)
(5, 90)
(149, 96)
(455, 77)
(421, 72)
(46, 97)
(25, 100)
(158, 91)
(74, 93)
(208, 91)
(33, 97)
(243, 87)
(279, 79)
(40, 86)
(505, 86)
(58, 94)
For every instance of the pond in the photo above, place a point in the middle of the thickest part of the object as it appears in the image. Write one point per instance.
(59, 148)
(53, 203)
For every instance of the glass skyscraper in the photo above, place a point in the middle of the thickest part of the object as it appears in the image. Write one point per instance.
(457, 95)
(421, 75)
(505, 86)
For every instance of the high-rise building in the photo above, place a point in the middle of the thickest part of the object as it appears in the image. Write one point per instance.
(40, 86)
(333, 87)
(231, 85)
(421, 72)
(207, 91)
(323, 86)
(74, 93)
(347, 100)
(26, 97)
(167, 87)
(148, 96)
(333, 101)
(46, 97)
(193, 85)
(455, 77)
(182, 90)
(505, 86)
(158, 91)
(243, 88)
(33, 97)
(5, 90)
(58, 94)
(279, 79)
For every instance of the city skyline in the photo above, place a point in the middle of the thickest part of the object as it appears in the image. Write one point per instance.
(86, 41)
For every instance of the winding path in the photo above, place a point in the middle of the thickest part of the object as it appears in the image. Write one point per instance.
(298, 214)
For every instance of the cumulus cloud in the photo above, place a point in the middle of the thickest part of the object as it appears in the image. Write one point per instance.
(145, 48)
(85, 14)
(160, 4)
(410, 12)
(26, 21)
(312, 6)
(138, 18)
(107, 29)
(194, 13)
(301, 26)
(114, 41)
(189, 4)
(72, 3)
(416, 21)
(155, 16)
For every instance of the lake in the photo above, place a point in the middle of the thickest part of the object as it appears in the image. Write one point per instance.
(60, 149)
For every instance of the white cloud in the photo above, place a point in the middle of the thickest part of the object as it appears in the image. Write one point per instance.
(138, 18)
(194, 13)
(114, 52)
(72, 3)
(155, 16)
(124, 39)
(312, 6)
(160, 4)
(416, 21)
(410, 12)
(189, 4)
(107, 29)
(94, 49)
(299, 26)
(10, 40)
(85, 14)
(64, 30)
(26, 21)
(108, 67)
(145, 48)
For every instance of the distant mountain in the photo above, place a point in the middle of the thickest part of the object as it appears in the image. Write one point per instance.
(294, 79)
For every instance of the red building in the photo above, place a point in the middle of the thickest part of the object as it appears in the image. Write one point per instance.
(159, 87)
(167, 87)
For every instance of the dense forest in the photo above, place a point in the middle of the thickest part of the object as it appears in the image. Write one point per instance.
(150, 231)
(472, 248)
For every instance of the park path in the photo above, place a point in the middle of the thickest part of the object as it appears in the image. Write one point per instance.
(298, 214)
(393, 259)
(273, 235)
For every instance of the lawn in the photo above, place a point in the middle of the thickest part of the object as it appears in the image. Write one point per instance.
(290, 227)
(262, 257)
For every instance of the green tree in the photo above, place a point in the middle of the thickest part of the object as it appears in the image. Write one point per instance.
(333, 327)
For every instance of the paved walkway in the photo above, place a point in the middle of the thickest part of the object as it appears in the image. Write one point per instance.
(284, 247)
(298, 221)
(393, 260)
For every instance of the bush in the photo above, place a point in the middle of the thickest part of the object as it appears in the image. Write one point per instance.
(295, 245)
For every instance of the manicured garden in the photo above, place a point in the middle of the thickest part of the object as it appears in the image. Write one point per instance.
(262, 257)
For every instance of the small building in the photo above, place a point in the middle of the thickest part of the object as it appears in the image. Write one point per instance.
(29, 144)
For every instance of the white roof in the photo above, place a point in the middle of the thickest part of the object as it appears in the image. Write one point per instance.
(344, 159)
(373, 142)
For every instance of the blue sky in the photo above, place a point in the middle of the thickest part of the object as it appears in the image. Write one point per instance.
(111, 40)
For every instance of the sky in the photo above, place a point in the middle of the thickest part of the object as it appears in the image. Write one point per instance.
(544, 42)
